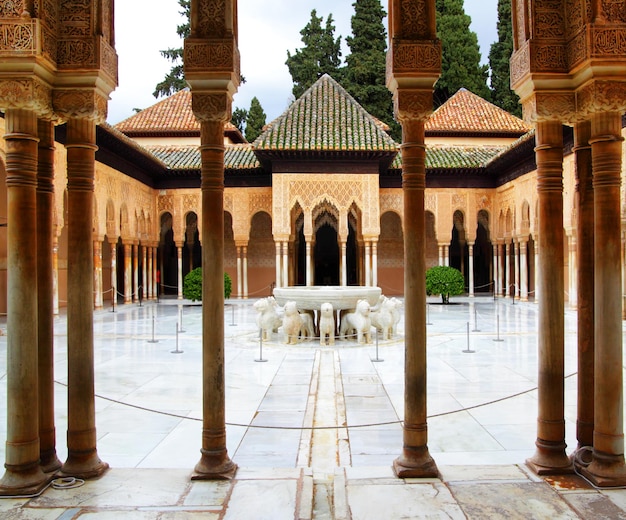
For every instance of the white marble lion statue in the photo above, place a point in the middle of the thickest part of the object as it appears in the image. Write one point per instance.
(383, 318)
(358, 321)
(267, 319)
(296, 324)
(327, 324)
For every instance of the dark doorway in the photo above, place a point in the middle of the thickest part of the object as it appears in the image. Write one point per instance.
(326, 256)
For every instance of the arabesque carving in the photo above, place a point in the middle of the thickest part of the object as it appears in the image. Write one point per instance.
(608, 41)
(31, 94)
(210, 55)
(414, 20)
(75, 18)
(76, 103)
(413, 104)
(211, 107)
(76, 53)
(10, 8)
(599, 96)
(211, 19)
(417, 56)
(18, 37)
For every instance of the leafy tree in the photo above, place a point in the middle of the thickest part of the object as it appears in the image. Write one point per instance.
(364, 73)
(460, 65)
(444, 280)
(175, 79)
(192, 285)
(239, 118)
(499, 56)
(255, 120)
(321, 54)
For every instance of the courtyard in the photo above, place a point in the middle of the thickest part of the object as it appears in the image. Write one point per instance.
(314, 430)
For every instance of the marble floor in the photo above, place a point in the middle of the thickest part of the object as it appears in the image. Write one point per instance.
(314, 430)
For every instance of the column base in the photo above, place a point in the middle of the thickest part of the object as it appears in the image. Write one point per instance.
(83, 466)
(605, 470)
(29, 481)
(49, 462)
(550, 459)
(415, 463)
(214, 466)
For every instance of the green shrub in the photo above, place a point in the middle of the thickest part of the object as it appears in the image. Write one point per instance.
(444, 280)
(192, 285)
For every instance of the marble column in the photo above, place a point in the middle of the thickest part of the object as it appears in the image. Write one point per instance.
(470, 246)
(55, 273)
(214, 462)
(179, 254)
(368, 264)
(45, 296)
(607, 467)
(344, 263)
(516, 267)
(585, 299)
(239, 274)
(375, 263)
(155, 269)
(550, 457)
(308, 264)
(113, 273)
(97, 274)
(128, 272)
(149, 275)
(23, 474)
(523, 271)
(506, 279)
(135, 288)
(573, 270)
(496, 269)
(415, 460)
(278, 261)
(82, 458)
(285, 270)
(446, 255)
(245, 271)
(441, 261)
(143, 294)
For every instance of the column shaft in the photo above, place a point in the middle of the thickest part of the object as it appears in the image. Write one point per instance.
(471, 270)
(113, 273)
(278, 260)
(23, 474)
(550, 457)
(135, 288)
(214, 462)
(523, 269)
(179, 253)
(45, 297)
(82, 459)
(415, 460)
(128, 273)
(607, 467)
(97, 274)
(245, 271)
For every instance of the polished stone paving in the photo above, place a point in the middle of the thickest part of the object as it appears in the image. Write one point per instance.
(314, 430)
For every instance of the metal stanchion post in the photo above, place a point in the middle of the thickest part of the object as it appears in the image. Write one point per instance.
(261, 360)
(476, 329)
(180, 314)
(428, 314)
(177, 351)
(232, 319)
(153, 340)
(468, 350)
(498, 329)
(377, 360)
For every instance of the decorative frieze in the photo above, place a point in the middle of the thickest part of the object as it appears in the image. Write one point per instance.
(413, 104)
(210, 55)
(548, 57)
(18, 37)
(414, 19)
(211, 19)
(166, 203)
(75, 18)
(11, 8)
(422, 56)
(608, 41)
(80, 103)
(76, 53)
(211, 107)
(601, 96)
(31, 94)
(577, 49)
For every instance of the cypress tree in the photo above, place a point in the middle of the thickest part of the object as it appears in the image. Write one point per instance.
(321, 54)
(364, 73)
(255, 120)
(175, 79)
(499, 62)
(460, 65)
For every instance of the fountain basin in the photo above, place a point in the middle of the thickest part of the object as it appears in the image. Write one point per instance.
(340, 297)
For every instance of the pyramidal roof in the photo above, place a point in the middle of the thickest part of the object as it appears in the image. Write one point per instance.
(172, 115)
(466, 113)
(325, 118)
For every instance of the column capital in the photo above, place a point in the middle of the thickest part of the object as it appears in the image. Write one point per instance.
(27, 93)
(213, 106)
(601, 96)
(550, 105)
(80, 104)
(413, 104)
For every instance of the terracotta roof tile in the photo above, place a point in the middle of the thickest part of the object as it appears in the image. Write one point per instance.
(325, 118)
(171, 115)
(467, 113)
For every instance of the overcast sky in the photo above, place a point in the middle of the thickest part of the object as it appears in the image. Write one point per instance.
(267, 29)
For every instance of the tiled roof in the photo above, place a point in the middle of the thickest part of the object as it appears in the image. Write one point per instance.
(467, 113)
(172, 115)
(325, 118)
(456, 157)
(187, 157)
